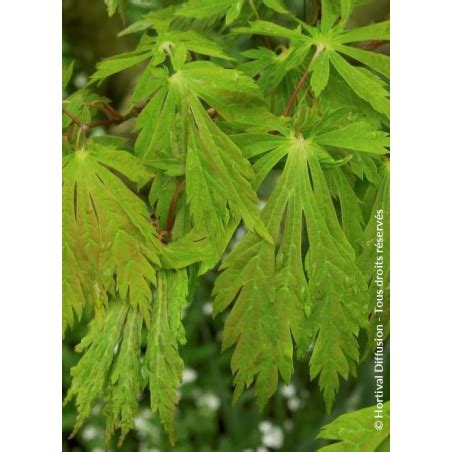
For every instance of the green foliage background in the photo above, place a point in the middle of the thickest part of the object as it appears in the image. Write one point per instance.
(205, 419)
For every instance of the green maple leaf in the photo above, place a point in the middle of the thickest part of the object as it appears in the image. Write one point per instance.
(331, 40)
(271, 294)
(355, 432)
(109, 244)
(331, 306)
(179, 137)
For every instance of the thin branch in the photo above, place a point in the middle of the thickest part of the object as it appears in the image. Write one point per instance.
(118, 120)
(300, 84)
(73, 118)
(104, 122)
(107, 109)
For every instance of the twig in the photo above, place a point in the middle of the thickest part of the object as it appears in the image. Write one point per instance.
(107, 109)
(104, 122)
(118, 120)
(73, 118)
(300, 84)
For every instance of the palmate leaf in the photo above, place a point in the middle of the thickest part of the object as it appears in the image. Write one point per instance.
(271, 294)
(109, 244)
(330, 308)
(179, 137)
(355, 432)
(329, 41)
(337, 287)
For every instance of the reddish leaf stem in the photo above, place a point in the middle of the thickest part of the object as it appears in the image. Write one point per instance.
(300, 84)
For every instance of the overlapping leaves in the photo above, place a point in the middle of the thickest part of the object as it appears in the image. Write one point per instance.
(180, 138)
(293, 283)
(331, 41)
(277, 292)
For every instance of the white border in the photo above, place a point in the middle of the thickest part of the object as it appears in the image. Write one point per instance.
(30, 377)
(30, 186)
(421, 225)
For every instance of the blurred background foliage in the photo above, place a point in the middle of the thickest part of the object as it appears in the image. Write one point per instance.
(206, 421)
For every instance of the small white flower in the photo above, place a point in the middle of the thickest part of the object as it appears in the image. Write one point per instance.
(189, 375)
(288, 391)
(98, 132)
(265, 426)
(272, 435)
(80, 80)
(261, 204)
(146, 413)
(207, 308)
(209, 401)
(273, 438)
(90, 432)
(294, 403)
(140, 423)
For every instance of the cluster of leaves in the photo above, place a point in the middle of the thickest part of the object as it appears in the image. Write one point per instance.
(214, 121)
